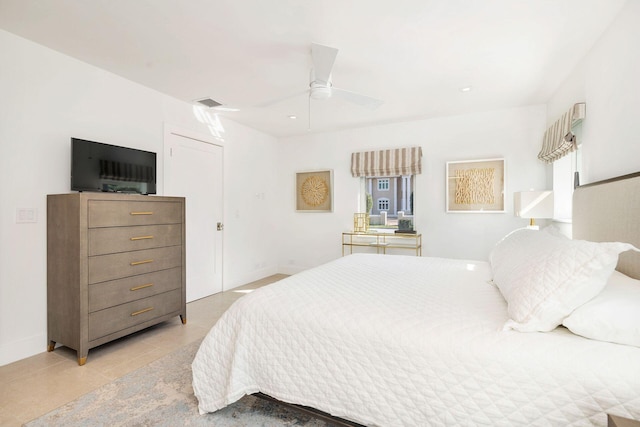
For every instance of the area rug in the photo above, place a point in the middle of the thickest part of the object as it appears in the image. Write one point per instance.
(160, 394)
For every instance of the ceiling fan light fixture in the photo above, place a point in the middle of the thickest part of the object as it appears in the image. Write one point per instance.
(319, 91)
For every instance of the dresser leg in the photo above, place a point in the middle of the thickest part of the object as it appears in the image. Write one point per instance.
(183, 318)
(51, 346)
(82, 356)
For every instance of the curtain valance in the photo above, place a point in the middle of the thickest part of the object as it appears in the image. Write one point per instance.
(396, 162)
(558, 140)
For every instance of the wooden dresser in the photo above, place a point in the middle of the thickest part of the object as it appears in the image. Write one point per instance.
(115, 265)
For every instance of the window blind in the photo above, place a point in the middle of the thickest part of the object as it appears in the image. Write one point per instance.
(381, 163)
(558, 140)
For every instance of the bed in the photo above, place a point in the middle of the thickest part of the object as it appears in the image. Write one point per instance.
(405, 341)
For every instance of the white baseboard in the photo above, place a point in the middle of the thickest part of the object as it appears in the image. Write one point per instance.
(290, 269)
(23, 348)
(250, 277)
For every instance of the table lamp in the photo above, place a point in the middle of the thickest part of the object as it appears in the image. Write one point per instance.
(533, 204)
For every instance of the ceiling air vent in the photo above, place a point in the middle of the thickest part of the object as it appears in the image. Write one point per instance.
(208, 102)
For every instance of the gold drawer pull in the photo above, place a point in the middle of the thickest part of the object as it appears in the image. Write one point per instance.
(137, 288)
(142, 213)
(146, 261)
(135, 313)
(141, 238)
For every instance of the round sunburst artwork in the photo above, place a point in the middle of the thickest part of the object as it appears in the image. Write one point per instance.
(314, 191)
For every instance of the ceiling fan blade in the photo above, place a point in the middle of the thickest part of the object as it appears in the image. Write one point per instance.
(278, 100)
(323, 58)
(356, 98)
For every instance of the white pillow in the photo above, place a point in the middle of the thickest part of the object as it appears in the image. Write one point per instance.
(613, 315)
(544, 277)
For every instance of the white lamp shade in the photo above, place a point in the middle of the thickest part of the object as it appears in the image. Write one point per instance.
(534, 204)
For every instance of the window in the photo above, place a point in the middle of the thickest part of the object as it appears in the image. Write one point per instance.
(387, 200)
(389, 175)
(383, 184)
(564, 170)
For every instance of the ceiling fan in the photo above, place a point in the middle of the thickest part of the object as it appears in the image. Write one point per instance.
(320, 86)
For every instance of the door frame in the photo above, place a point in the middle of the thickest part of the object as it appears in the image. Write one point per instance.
(170, 129)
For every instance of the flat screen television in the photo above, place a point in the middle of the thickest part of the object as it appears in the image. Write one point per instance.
(103, 167)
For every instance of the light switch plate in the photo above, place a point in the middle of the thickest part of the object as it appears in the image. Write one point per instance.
(26, 215)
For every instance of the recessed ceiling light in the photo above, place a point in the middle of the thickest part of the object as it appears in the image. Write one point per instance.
(292, 117)
(465, 89)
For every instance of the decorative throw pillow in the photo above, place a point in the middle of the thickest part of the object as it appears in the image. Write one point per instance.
(544, 277)
(613, 315)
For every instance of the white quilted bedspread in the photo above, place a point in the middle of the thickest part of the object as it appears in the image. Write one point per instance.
(409, 341)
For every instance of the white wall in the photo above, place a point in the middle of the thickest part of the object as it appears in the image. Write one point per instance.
(251, 209)
(46, 99)
(314, 238)
(607, 80)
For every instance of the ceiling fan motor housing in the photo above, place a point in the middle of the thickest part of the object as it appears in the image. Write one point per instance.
(319, 90)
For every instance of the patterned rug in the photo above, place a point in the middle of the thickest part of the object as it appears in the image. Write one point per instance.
(160, 394)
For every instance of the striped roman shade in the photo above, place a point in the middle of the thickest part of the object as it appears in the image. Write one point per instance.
(396, 162)
(558, 140)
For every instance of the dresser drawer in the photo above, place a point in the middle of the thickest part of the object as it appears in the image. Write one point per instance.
(115, 292)
(124, 239)
(117, 266)
(114, 319)
(107, 213)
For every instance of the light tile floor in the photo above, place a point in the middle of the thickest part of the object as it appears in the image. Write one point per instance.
(34, 386)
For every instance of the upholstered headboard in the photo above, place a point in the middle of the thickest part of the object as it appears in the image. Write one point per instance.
(609, 211)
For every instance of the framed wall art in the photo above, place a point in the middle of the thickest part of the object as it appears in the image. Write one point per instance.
(314, 191)
(476, 186)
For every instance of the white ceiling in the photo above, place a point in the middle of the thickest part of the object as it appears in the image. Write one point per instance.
(413, 54)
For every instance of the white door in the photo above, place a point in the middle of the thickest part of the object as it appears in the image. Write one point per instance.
(193, 169)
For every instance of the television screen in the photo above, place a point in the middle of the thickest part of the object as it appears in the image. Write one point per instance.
(102, 167)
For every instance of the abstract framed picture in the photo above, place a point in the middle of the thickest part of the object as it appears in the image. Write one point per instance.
(314, 191)
(476, 186)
